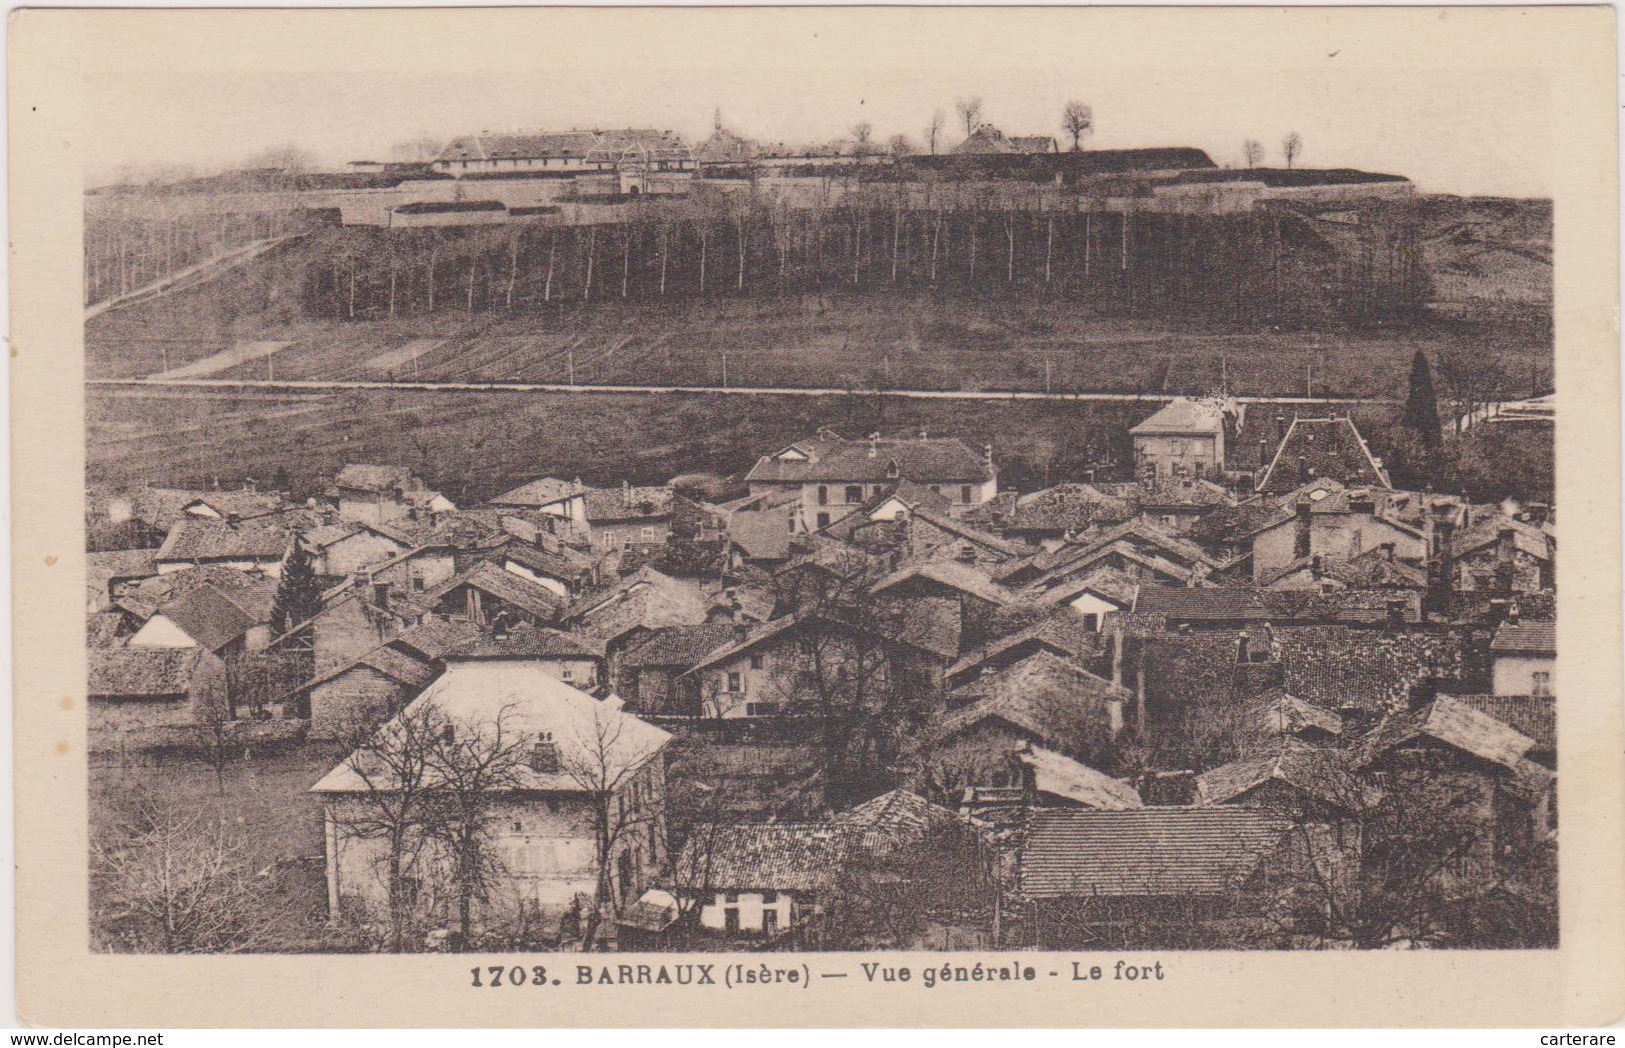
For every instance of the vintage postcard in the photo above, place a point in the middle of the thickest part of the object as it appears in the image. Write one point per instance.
(796, 516)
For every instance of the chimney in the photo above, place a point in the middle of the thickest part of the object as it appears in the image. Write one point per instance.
(1241, 647)
(1387, 552)
(874, 444)
(741, 631)
(923, 435)
(499, 626)
(987, 455)
(1537, 512)
(626, 493)
(1281, 426)
(1300, 535)
(1315, 565)
(1396, 613)
(1512, 614)
(1303, 470)
(1506, 541)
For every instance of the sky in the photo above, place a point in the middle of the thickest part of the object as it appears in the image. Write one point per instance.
(1454, 122)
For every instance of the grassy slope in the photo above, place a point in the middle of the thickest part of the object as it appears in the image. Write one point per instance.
(1481, 251)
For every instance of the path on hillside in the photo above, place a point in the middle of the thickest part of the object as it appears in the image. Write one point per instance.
(315, 386)
(189, 276)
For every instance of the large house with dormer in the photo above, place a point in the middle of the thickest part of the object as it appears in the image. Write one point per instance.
(836, 476)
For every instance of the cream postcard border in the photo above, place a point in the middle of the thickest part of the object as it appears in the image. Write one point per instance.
(60, 983)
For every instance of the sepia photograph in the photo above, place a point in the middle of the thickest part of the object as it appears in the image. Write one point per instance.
(792, 483)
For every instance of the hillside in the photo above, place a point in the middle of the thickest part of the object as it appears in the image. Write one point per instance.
(288, 314)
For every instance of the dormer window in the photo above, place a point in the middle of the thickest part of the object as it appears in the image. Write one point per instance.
(544, 754)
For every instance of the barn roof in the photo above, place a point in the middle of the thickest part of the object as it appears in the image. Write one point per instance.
(925, 460)
(1061, 776)
(597, 741)
(1158, 851)
(1525, 638)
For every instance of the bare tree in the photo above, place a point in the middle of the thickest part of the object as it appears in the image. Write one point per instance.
(1291, 146)
(1078, 120)
(623, 780)
(472, 766)
(970, 112)
(1252, 151)
(180, 881)
(394, 766)
(899, 146)
(933, 130)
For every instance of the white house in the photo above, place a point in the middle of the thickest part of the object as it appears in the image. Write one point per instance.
(546, 814)
(1525, 659)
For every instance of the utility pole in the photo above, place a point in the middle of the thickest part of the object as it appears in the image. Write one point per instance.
(725, 370)
(1308, 379)
(1046, 374)
(572, 367)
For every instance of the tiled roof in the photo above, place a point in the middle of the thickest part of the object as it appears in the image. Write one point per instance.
(1274, 714)
(565, 563)
(203, 540)
(163, 507)
(1106, 582)
(525, 641)
(763, 535)
(121, 564)
(1328, 447)
(1451, 722)
(606, 505)
(897, 816)
(433, 637)
(646, 600)
(678, 646)
(1062, 776)
(209, 617)
(1534, 716)
(1319, 773)
(1057, 701)
(1526, 638)
(1486, 531)
(1200, 604)
(960, 529)
(1184, 416)
(1176, 493)
(931, 460)
(1059, 508)
(963, 578)
(597, 741)
(253, 592)
(1061, 631)
(505, 586)
(1145, 851)
(538, 492)
(141, 673)
(1350, 606)
(798, 857)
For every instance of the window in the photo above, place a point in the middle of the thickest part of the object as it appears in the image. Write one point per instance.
(823, 521)
(965, 493)
(823, 495)
(1176, 447)
(756, 660)
(569, 673)
(770, 922)
(1541, 683)
(735, 682)
(770, 898)
(761, 709)
(730, 920)
(732, 897)
(648, 534)
(854, 494)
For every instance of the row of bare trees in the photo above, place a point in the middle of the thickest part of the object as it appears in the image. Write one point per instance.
(1240, 265)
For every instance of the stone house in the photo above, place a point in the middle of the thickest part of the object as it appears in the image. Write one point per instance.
(1524, 659)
